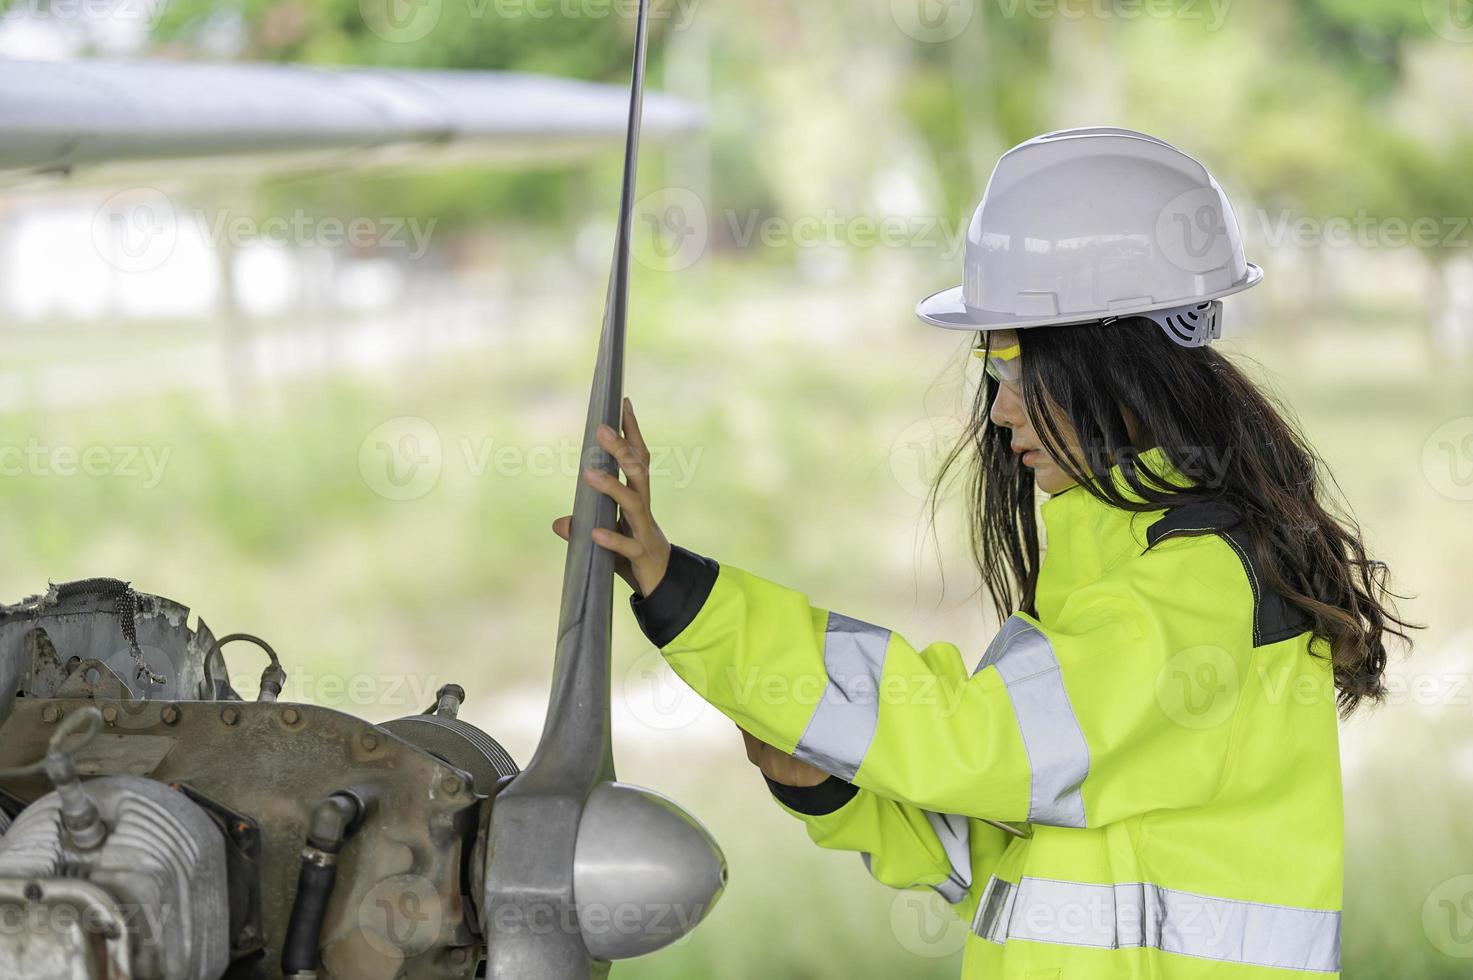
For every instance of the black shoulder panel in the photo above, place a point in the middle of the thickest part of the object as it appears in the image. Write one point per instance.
(1274, 617)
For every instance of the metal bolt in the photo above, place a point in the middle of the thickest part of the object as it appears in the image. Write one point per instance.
(170, 714)
(50, 714)
(369, 742)
(448, 700)
(110, 713)
(291, 716)
(230, 715)
(459, 956)
(451, 785)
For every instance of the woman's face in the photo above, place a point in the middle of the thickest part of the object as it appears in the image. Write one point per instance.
(1009, 411)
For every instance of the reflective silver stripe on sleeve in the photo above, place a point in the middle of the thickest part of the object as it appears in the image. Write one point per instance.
(1142, 914)
(1058, 756)
(843, 724)
(955, 836)
(994, 910)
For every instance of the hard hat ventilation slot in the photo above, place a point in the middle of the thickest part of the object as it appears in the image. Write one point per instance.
(1191, 326)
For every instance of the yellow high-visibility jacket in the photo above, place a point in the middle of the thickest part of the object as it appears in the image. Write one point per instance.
(1160, 732)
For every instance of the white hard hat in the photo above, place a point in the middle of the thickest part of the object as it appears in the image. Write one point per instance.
(1097, 224)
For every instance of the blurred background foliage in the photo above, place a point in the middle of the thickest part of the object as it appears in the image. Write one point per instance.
(801, 406)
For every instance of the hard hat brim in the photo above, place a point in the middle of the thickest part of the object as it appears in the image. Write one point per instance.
(946, 309)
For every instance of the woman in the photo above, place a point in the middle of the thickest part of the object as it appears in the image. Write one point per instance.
(1141, 776)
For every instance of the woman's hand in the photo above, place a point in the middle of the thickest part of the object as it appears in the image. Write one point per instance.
(779, 766)
(641, 553)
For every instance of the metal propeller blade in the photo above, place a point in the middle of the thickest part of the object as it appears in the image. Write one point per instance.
(581, 870)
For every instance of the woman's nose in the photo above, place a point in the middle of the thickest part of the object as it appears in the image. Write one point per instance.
(1007, 408)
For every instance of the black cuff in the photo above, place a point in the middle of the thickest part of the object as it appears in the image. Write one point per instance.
(815, 801)
(668, 610)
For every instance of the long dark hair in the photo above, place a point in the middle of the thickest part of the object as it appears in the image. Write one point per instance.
(1229, 438)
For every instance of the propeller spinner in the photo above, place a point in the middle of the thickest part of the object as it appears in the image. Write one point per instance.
(581, 869)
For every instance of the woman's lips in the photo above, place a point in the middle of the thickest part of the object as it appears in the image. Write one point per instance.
(1031, 457)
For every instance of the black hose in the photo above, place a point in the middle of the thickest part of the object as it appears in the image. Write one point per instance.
(333, 822)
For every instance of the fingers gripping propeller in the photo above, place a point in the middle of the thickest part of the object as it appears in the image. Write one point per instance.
(580, 869)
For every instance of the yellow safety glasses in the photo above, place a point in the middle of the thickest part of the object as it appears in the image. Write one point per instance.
(1003, 363)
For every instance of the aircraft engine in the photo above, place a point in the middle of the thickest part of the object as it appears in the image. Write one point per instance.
(154, 825)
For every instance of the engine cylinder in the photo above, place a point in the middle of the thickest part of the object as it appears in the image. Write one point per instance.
(159, 876)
